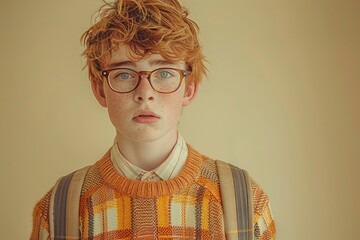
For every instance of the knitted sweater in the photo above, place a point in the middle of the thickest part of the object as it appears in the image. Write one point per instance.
(185, 207)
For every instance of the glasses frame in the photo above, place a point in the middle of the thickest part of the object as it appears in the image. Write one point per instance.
(140, 74)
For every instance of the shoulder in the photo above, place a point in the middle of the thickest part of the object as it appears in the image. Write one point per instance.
(260, 198)
(235, 174)
(41, 209)
(81, 179)
(206, 166)
(263, 218)
(206, 173)
(238, 178)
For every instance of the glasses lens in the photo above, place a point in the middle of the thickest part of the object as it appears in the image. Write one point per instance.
(123, 80)
(165, 80)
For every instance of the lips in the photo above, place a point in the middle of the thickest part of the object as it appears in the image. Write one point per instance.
(146, 116)
(146, 113)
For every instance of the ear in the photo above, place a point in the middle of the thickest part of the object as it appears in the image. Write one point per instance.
(98, 90)
(190, 93)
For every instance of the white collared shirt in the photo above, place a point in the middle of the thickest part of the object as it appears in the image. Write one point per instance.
(170, 168)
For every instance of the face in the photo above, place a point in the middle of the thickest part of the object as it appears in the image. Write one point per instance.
(143, 115)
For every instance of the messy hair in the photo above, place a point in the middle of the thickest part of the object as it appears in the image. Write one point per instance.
(147, 26)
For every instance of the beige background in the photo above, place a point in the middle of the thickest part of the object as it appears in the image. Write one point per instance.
(282, 100)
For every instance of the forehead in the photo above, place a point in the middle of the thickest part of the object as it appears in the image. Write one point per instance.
(123, 56)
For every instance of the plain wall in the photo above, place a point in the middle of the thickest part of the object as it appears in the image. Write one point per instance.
(282, 100)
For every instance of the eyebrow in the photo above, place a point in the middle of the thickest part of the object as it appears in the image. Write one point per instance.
(161, 62)
(122, 63)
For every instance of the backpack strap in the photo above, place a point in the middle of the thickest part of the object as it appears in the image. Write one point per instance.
(236, 197)
(64, 206)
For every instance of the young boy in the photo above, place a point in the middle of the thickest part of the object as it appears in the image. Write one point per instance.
(145, 63)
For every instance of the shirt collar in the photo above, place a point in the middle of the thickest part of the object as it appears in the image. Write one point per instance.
(168, 169)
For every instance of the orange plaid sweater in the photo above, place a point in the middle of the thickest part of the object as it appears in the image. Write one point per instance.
(185, 207)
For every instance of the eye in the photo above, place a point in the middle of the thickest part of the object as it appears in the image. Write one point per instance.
(123, 75)
(164, 74)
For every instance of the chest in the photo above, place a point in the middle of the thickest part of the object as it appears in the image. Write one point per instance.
(192, 214)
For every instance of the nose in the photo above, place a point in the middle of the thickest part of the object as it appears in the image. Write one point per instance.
(144, 92)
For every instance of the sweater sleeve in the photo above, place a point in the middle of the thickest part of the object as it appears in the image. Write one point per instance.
(264, 224)
(40, 228)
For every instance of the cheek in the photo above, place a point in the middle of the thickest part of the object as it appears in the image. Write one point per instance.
(174, 107)
(117, 108)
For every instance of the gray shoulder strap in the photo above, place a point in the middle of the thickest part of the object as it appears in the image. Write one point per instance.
(64, 206)
(236, 197)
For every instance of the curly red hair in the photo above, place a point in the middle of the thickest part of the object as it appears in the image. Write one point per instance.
(147, 26)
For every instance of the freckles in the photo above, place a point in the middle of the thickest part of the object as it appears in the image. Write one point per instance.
(119, 104)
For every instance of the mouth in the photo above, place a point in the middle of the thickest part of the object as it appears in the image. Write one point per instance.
(146, 113)
(146, 116)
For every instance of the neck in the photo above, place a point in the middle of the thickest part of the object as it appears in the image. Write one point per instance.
(147, 155)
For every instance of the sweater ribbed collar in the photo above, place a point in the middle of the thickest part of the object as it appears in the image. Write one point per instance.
(138, 188)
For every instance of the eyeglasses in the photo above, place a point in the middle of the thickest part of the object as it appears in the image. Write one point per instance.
(162, 80)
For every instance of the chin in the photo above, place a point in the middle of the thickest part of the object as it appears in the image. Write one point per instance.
(147, 134)
(144, 136)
